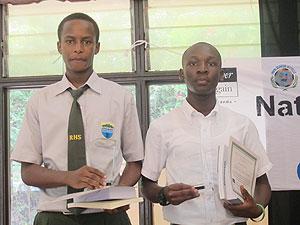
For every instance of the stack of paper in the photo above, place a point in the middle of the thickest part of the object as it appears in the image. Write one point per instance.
(109, 197)
(106, 204)
(105, 193)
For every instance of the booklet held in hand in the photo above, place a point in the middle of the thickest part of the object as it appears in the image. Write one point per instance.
(108, 197)
(237, 166)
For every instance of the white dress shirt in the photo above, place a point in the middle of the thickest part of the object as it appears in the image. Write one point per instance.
(185, 143)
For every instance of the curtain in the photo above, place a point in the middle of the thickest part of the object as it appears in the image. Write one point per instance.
(20, 2)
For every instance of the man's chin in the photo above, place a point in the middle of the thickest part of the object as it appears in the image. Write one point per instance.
(78, 69)
(203, 90)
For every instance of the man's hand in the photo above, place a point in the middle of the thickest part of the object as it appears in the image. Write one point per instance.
(178, 193)
(247, 209)
(86, 177)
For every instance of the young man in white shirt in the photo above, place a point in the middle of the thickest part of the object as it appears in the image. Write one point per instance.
(185, 143)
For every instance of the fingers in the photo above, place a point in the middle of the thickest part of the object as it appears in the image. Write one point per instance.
(178, 193)
(245, 194)
(235, 209)
(91, 183)
(86, 177)
(246, 209)
(94, 177)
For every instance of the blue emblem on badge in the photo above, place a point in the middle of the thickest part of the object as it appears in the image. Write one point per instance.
(107, 130)
(284, 77)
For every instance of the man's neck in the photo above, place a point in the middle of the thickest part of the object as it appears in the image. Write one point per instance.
(78, 79)
(203, 104)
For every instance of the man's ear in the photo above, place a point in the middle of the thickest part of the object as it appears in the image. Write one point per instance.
(97, 48)
(180, 72)
(222, 77)
(58, 47)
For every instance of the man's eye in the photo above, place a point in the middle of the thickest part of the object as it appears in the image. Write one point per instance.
(192, 64)
(212, 64)
(86, 42)
(69, 42)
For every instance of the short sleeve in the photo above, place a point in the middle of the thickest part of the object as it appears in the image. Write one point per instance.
(131, 138)
(155, 153)
(252, 141)
(28, 146)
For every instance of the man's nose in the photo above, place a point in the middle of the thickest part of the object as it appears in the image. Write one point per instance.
(78, 47)
(202, 67)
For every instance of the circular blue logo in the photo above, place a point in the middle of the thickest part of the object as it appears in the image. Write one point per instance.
(284, 77)
(298, 171)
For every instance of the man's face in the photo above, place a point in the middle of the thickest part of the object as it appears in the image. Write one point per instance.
(201, 70)
(78, 45)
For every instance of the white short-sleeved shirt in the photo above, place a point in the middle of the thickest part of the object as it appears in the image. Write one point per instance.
(185, 143)
(43, 138)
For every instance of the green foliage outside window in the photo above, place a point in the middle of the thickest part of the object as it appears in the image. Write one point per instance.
(23, 198)
(164, 98)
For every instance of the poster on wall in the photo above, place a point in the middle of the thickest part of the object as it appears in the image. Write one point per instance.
(267, 90)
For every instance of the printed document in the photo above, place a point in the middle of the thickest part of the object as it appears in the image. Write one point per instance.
(237, 166)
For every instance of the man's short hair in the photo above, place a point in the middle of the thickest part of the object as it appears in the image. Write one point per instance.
(197, 44)
(78, 16)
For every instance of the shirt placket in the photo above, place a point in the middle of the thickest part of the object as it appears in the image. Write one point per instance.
(207, 153)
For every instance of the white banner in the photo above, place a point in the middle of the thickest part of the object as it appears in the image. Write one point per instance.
(267, 90)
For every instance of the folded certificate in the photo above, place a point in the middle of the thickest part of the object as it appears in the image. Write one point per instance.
(237, 166)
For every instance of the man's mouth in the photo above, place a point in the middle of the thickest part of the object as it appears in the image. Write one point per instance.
(202, 81)
(77, 59)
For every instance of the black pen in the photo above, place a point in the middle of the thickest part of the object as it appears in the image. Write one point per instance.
(199, 187)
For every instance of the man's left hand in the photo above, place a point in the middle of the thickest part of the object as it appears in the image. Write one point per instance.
(247, 209)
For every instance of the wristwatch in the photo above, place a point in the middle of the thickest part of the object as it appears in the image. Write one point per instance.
(162, 199)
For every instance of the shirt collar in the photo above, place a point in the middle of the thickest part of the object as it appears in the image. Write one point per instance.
(94, 82)
(191, 112)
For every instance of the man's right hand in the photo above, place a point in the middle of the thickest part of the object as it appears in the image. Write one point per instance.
(86, 177)
(178, 193)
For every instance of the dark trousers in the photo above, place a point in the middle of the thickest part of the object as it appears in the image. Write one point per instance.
(56, 218)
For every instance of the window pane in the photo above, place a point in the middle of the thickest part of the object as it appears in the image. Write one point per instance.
(32, 36)
(164, 98)
(175, 25)
(24, 198)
